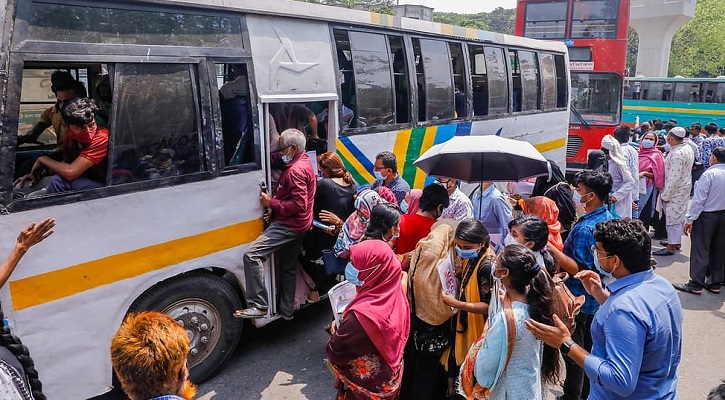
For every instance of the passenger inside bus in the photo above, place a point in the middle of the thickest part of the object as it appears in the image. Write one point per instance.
(84, 151)
(103, 96)
(236, 116)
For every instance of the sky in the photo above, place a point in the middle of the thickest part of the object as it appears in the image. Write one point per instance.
(463, 6)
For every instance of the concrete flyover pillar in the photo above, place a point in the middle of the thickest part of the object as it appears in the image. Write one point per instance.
(656, 22)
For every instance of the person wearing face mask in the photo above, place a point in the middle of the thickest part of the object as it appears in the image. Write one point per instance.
(532, 232)
(365, 353)
(492, 208)
(624, 187)
(651, 175)
(473, 259)
(637, 331)
(357, 223)
(592, 188)
(290, 214)
(414, 227)
(676, 191)
(459, 207)
(386, 174)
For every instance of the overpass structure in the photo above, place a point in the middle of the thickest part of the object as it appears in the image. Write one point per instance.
(656, 22)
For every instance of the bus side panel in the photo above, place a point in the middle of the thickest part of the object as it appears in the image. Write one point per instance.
(295, 58)
(68, 296)
(684, 113)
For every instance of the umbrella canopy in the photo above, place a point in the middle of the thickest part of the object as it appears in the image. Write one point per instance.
(483, 158)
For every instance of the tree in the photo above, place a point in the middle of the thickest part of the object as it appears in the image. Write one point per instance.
(697, 49)
(381, 6)
(632, 49)
(500, 20)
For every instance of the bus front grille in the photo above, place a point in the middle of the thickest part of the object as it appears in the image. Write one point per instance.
(573, 144)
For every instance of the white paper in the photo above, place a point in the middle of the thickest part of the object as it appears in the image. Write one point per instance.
(447, 273)
(340, 296)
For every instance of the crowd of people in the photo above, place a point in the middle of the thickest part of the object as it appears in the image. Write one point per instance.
(458, 298)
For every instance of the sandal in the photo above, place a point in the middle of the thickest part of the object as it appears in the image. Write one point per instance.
(713, 288)
(250, 313)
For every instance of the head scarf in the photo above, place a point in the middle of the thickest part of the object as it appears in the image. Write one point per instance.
(615, 151)
(353, 229)
(414, 203)
(380, 304)
(652, 160)
(387, 194)
(596, 160)
(546, 209)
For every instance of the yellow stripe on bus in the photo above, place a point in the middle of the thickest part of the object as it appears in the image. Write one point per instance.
(400, 149)
(428, 142)
(359, 168)
(671, 110)
(55, 285)
(551, 145)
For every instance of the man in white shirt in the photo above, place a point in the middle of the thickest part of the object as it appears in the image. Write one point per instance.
(459, 207)
(706, 222)
(623, 135)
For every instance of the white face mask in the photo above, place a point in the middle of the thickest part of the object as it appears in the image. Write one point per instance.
(509, 240)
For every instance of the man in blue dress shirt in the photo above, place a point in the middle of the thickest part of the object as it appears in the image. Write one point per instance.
(637, 332)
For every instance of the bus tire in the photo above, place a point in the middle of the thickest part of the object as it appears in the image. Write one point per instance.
(203, 304)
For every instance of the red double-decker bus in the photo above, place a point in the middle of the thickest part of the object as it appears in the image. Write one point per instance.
(596, 33)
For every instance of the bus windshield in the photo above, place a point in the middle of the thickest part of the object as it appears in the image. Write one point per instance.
(596, 97)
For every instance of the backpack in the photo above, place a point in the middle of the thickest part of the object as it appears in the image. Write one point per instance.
(566, 306)
(472, 389)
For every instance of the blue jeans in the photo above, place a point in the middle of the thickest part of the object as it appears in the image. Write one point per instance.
(59, 185)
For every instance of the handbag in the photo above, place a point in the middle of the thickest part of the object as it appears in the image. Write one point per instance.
(428, 339)
(566, 305)
(333, 265)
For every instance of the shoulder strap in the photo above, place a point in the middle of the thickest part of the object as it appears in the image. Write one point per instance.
(508, 313)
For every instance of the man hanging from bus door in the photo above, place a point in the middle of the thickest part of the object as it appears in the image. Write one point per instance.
(291, 217)
(84, 150)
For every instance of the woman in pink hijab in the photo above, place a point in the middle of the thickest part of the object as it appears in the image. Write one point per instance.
(651, 176)
(365, 352)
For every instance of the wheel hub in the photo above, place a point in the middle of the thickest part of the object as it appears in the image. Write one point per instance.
(201, 321)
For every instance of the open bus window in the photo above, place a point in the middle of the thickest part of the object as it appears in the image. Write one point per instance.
(562, 97)
(459, 80)
(156, 132)
(546, 20)
(596, 97)
(438, 84)
(548, 81)
(498, 95)
(373, 79)
(594, 19)
(400, 79)
(479, 78)
(529, 69)
(235, 104)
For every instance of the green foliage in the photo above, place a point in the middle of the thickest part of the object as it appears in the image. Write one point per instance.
(632, 48)
(697, 49)
(381, 6)
(499, 20)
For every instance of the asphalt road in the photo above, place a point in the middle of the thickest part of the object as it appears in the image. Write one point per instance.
(285, 360)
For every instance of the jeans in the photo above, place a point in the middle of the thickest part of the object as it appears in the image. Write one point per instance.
(59, 185)
(279, 239)
(646, 205)
(576, 385)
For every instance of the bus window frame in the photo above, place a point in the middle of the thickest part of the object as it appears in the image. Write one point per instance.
(571, 21)
(567, 19)
(215, 110)
(201, 91)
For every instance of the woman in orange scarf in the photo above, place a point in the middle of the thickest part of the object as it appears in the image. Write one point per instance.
(546, 209)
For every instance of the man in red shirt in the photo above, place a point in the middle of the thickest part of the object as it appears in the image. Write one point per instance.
(414, 227)
(84, 148)
(291, 217)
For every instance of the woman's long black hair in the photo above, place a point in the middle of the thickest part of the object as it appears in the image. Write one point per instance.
(382, 218)
(529, 278)
(13, 343)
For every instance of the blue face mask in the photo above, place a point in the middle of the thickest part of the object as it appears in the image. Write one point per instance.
(668, 147)
(466, 254)
(648, 143)
(286, 158)
(378, 175)
(352, 273)
(404, 207)
(599, 268)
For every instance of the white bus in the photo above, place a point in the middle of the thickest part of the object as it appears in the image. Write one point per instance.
(180, 203)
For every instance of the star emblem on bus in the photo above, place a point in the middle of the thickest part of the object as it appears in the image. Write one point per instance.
(285, 58)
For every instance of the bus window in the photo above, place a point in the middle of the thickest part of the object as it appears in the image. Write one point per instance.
(438, 80)
(498, 94)
(594, 19)
(652, 91)
(459, 80)
(156, 132)
(687, 92)
(480, 80)
(562, 97)
(709, 92)
(347, 76)
(597, 97)
(400, 79)
(236, 112)
(373, 79)
(419, 79)
(516, 88)
(530, 87)
(548, 82)
(720, 93)
(667, 91)
(546, 20)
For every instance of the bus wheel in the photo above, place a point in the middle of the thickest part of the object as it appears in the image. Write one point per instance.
(203, 304)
